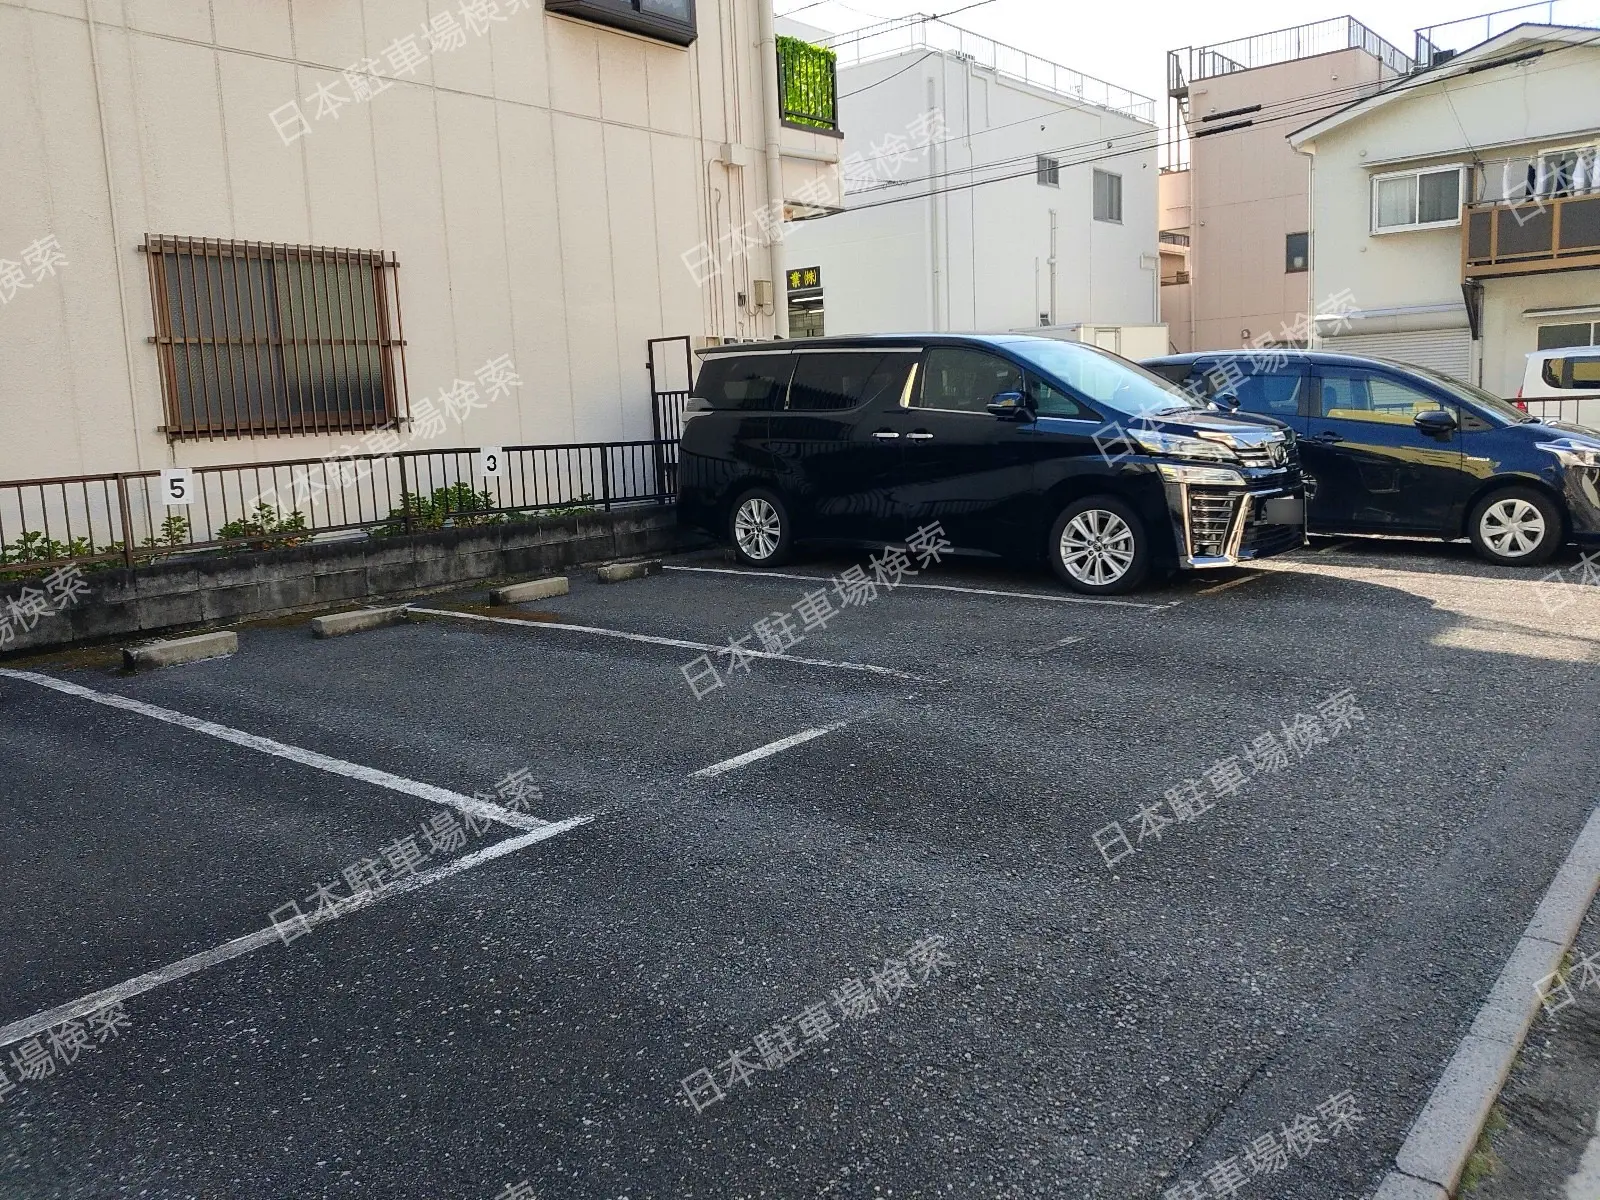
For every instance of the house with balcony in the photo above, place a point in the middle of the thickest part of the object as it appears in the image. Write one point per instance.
(1235, 195)
(232, 234)
(1457, 210)
(987, 188)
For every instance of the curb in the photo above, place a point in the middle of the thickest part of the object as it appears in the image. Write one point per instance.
(1446, 1132)
(533, 589)
(617, 572)
(181, 650)
(362, 619)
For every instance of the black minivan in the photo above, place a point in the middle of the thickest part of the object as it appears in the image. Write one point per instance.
(1017, 446)
(1392, 448)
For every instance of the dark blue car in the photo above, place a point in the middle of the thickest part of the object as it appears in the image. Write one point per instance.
(1397, 449)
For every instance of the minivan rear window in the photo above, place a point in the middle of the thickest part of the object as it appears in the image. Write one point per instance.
(831, 382)
(743, 383)
(1585, 372)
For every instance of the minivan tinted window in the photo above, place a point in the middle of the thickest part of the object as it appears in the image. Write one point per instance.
(749, 383)
(966, 380)
(830, 382)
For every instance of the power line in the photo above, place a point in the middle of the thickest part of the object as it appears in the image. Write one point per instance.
(1404, 85)
(886, 78)
(1282, 111)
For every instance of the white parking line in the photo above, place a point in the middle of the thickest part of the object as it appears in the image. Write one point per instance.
(652, 640)
(932, 587)
(307, 758)
(28, 1027)
(767, 751)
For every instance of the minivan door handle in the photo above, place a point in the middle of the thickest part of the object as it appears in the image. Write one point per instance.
(1329, 436)
(921, 435)
(886, 435)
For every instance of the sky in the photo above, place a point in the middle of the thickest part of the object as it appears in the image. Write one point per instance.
(1126, 42)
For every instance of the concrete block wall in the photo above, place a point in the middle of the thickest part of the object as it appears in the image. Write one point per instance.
(215, 589)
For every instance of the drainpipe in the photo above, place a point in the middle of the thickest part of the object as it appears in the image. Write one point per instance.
(1053, 228)
(772, 126)
(935, 234)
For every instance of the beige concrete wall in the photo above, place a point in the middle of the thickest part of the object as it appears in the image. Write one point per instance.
(1249, 190)
(539, 185)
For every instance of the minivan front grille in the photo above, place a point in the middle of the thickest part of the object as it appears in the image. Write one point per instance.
(1210, 521)
(1269, 456)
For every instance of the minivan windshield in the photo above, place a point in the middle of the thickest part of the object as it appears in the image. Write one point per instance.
(1104, 379)
(1503, 409)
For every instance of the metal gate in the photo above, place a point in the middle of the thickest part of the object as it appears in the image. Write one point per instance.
(671, 378)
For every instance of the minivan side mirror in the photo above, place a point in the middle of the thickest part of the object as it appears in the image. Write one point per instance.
(1435, 422)
(1009, 406)
(1226, 401)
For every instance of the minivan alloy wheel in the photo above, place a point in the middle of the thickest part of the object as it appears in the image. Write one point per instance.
(1512, 527)
(1097, 547)
(757, 528)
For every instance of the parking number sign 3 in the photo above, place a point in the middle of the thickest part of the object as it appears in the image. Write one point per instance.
(491, 462)
(177, 486)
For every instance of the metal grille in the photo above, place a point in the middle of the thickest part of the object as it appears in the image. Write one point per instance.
(256, 338)
(1210, 519)
(1260, 455)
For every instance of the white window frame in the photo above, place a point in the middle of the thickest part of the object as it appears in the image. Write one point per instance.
(1049, 171)
(1117, 175)
(1416, 172)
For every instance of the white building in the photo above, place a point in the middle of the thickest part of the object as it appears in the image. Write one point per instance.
(1457, 210)
(986, 189)
(248, 230)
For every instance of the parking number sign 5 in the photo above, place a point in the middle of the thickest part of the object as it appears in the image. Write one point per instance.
(177, 486)
(491, 462)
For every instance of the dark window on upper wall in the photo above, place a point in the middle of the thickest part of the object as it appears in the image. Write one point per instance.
(1049, 171)
(1558, 337)
(1297, 253)
(1107, 196)
(258, 339)
(669, 20)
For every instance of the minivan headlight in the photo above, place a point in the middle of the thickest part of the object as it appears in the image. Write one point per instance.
(1177, 445)
(1572, 452)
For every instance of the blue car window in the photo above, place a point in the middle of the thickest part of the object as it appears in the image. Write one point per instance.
(1274, 395)
(1362, 396)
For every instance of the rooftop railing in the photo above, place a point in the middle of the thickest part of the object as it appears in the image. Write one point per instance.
(1280, 46)
(921, 32)
(1440, 43)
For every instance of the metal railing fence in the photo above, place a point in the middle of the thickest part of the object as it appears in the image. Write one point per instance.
(128, 518)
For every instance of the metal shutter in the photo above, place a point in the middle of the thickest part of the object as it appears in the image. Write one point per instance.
(1447, 350)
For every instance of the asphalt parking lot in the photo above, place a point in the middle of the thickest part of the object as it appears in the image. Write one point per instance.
(852, 926)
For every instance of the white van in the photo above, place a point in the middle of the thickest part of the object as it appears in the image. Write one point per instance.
(1563, 385)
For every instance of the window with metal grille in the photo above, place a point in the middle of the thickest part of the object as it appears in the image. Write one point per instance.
(260, 339)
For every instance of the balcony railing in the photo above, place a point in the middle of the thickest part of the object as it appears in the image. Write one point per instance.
(1530, 236)
(1173, 239)
(808, 84)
